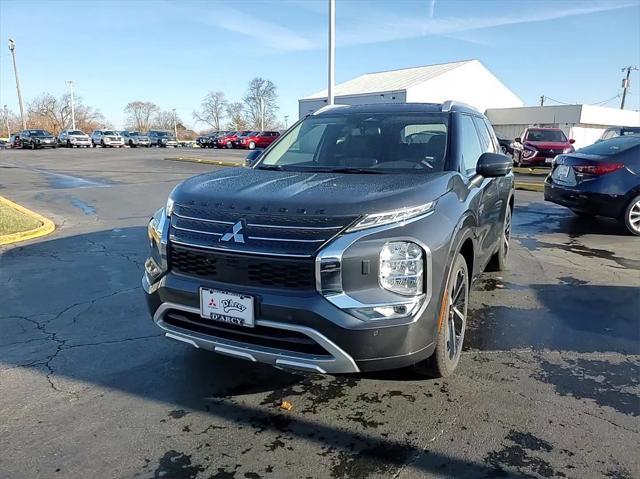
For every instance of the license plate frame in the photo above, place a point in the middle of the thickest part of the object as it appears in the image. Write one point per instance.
(227, 307)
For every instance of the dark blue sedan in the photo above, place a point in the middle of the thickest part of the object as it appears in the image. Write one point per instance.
(602, 179)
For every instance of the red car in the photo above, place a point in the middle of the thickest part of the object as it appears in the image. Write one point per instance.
(226, 141)
(258, 139)
(539, 146)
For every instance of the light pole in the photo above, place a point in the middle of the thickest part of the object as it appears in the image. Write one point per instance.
(6, 120)
(286, 121)
(12, 48)
(73, 111)
(261, 114)
(332, 51)
(175, 125)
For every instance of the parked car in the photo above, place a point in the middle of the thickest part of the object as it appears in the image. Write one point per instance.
(106, 138)
(602, 179)
(258, 139)
(36, 138)
(348, 249)
(14, 140)
(4, 143)
(161, 139)
(539, 146)
(203, 141)
(614, 131)
(241, 137)
(74, 139)
(505, 145)
(226, 140)
(135, 139)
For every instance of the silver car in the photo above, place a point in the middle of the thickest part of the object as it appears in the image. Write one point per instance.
(134, 139)
(106, 138)
(74, 138)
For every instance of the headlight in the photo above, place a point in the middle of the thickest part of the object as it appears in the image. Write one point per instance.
(168, 209)
(164, 140)
(395, 216)
(528, 153)
(401, 268)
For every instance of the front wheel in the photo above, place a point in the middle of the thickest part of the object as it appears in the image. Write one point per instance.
(252, 145)
(451, 323)
(229, 145)
(632, 216)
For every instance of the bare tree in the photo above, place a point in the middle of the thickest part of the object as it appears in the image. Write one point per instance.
(213, 110)
(236, 114)
(54, 114)
(12, 120)
(261, 103)
(164, 121)
(140, 114)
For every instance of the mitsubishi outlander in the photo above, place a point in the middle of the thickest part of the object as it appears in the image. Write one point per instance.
(350, 244)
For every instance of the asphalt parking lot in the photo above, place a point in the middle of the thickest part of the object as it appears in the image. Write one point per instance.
(548, 385)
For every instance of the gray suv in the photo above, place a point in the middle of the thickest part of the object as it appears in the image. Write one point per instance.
(349, 245)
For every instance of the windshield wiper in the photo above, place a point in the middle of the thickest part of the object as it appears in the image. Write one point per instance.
(270, 167)
(350, 170)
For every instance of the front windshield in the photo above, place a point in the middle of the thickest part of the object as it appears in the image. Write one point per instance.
(37, 133)
(613, 146)
(109, 132)
(76, 132)
(363, 142)
(554, 136)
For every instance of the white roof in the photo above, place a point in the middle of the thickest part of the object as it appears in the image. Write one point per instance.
(388, 81)
(568, 114)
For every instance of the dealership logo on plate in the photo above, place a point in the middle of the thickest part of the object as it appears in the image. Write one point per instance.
(231, 305)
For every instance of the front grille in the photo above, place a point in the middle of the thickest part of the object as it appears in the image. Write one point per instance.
(549, 152)
(270, 234)
(296, 274)
(275, 338)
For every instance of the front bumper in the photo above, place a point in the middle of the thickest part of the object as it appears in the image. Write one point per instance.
(333, 339)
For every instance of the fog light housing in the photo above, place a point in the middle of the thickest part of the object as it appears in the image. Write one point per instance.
(152, 269)
(388, 311)
(401, 268)
(528, 153)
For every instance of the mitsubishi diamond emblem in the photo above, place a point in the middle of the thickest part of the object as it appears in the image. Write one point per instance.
(235, 233)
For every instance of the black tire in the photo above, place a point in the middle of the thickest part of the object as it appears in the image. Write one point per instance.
(102, 144)
(131, 144)
(68, 144)
(498, 261)
(632, 216)
(450, 336)
(229, 145)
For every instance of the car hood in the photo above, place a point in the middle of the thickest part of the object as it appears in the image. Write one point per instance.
(80, 137)
(285, 192)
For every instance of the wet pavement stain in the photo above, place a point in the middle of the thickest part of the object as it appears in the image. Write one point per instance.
(60, 181)
(177, 413)
(572, 281)
(86, 208)
(176, 465)
(378, 459)
(604, 382)
(516, 455)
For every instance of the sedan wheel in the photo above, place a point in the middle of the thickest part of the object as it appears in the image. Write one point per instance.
(252, 145)
(632, 216)
(451, 323)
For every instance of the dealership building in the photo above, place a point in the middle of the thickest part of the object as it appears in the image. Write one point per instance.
(470, 82)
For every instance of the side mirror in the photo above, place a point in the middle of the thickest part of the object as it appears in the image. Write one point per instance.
(518, 140)
(572, 141)
(493, 165)
(252, 157)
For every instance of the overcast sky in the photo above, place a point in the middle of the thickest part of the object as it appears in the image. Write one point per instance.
(173, 53)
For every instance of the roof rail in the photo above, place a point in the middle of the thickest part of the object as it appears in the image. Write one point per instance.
(328, 108)
(450, 104)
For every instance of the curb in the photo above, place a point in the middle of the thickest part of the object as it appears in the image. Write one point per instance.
(47, 225)
(204, 160)
(529, 186)
(531, 171)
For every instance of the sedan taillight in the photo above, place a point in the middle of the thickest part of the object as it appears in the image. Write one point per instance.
(599, 169)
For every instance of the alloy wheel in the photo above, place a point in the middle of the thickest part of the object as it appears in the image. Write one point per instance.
(457, 315)
(634, 216)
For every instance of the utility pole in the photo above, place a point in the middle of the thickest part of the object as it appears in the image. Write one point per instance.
(332, 52)
(6, 120)
(261, 113)
(175, 125)
(625, 84)
(286, 121)
(12, 48)
(73, 111)
(541, 100)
